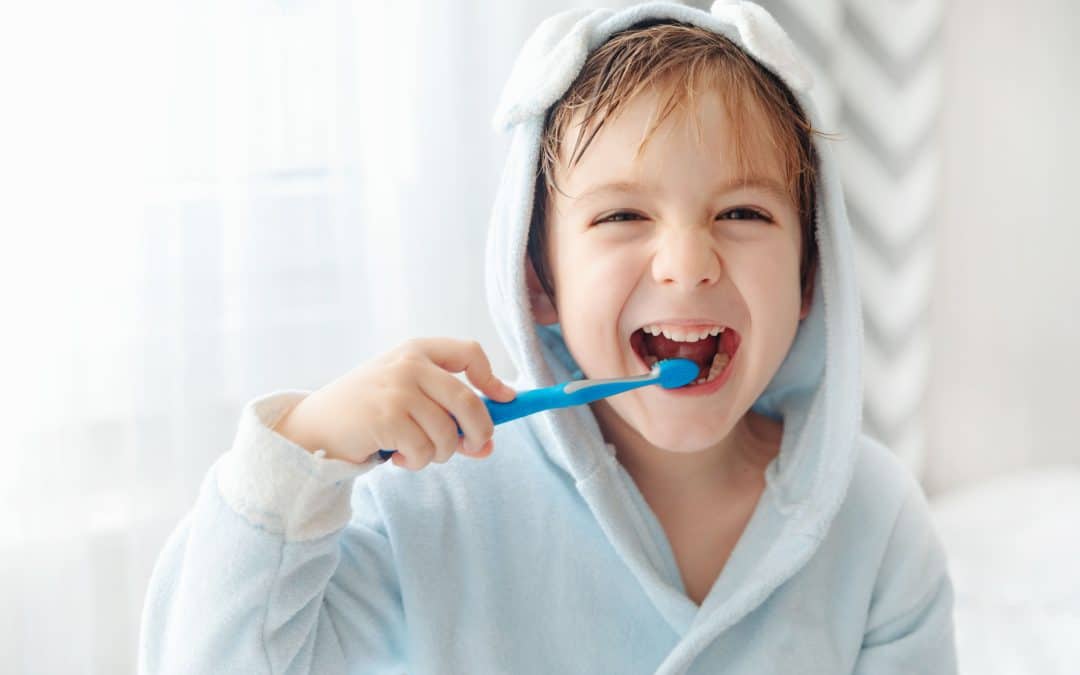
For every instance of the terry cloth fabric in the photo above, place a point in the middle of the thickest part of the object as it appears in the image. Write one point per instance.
(545, 557)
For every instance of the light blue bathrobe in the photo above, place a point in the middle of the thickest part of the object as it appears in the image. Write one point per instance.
(545, 558)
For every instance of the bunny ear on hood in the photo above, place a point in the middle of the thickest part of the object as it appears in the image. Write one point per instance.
(554, 54)
(816, 391)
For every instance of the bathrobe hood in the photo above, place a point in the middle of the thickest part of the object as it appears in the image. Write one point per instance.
(816, 390)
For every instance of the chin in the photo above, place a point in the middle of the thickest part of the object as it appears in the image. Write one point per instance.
(685, 437)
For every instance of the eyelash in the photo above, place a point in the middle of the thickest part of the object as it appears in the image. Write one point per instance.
(756, 215)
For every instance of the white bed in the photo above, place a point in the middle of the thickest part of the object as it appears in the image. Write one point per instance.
(1014, 554)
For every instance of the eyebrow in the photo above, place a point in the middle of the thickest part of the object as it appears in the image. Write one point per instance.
(765, 183)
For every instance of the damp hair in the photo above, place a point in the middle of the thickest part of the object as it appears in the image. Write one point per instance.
(679, 60)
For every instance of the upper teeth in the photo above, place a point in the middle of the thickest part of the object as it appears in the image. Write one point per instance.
(680, 334)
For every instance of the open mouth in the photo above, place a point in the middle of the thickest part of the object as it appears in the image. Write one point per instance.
(711, 353)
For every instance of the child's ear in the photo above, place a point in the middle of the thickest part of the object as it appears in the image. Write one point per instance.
(808, 293)
(542, 307)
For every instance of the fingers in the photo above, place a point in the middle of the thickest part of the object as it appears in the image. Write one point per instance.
(415, 448)
(429, 417)
(423, 447)
(465, 405)
(456, 356)
(439, 428)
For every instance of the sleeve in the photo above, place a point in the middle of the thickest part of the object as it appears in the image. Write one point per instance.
(270, 571)
(910, 625)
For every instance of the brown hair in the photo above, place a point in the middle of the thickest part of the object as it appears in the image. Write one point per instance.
(679, 56)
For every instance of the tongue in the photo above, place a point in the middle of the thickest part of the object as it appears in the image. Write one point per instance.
(700, 352)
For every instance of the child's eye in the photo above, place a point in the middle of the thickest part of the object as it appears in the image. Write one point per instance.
(747, 214)
(741, 213)
(619, 217)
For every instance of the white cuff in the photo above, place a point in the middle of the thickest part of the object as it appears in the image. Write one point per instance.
(279, 486)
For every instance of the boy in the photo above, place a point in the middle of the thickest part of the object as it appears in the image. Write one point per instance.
(664, 196)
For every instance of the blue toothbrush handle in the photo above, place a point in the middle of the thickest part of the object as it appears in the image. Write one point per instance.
(525, 403)
(672, 373)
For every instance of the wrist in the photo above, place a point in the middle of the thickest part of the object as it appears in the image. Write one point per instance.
(295, 425)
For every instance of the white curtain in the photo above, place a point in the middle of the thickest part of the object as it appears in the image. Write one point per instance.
(209, 201)
(205, 201)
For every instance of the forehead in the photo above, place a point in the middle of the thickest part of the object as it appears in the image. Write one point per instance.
(655, 131)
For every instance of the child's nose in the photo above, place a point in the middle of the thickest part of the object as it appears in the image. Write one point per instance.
(687, 257)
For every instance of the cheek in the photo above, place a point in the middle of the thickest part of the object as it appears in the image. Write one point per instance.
(598, 278)
(596, 288)
(769, 283)
(774, 281)
(769, 266)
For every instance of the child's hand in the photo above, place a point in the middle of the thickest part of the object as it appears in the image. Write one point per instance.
(402, 401)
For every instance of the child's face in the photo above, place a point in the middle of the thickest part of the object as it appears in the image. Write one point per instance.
(682, 244)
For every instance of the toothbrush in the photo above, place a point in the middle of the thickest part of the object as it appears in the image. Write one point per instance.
(669, 373)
